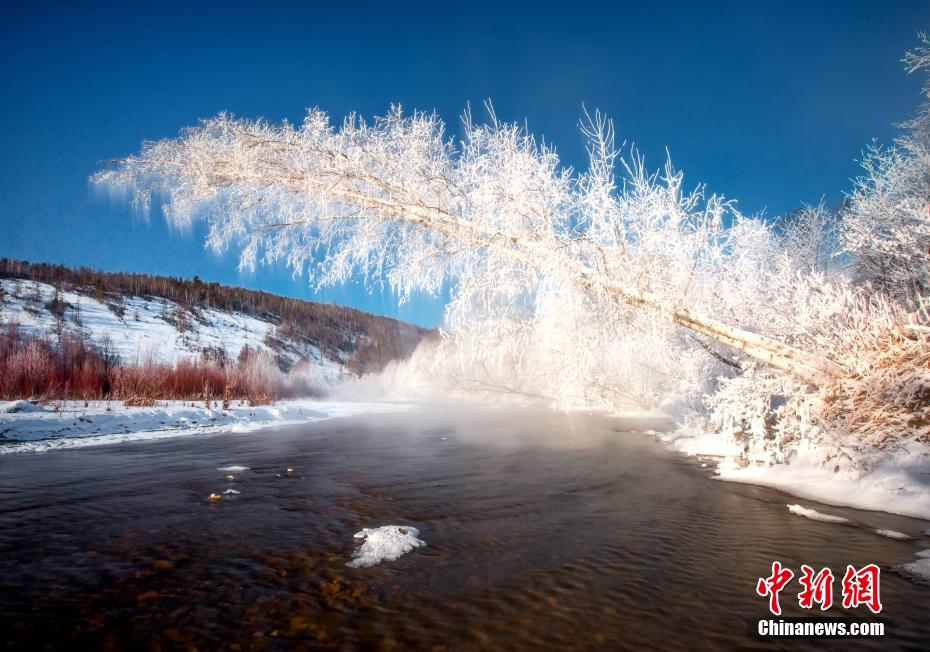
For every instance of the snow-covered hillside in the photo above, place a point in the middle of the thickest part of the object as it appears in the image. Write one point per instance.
(139, 329)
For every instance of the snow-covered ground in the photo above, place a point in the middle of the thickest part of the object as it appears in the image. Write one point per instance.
(69, 424)
(147, 327)
(898, 481)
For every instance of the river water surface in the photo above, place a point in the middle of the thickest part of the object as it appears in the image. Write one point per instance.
(544, 531)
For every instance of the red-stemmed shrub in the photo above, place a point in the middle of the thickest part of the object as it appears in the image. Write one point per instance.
(33, 368)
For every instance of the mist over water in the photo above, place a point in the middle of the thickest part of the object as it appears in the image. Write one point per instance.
(543, 529)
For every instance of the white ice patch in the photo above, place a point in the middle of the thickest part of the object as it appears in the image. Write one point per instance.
(232, 468)
(919, 569)
(13, 407)
(923, 554)
(386, 543)
(892, 534)
(814, 515)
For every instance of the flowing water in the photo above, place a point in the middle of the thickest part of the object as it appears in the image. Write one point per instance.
(544, 531)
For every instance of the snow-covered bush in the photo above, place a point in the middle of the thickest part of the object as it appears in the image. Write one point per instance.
(256, 375)
(27, 371)
(886, 402)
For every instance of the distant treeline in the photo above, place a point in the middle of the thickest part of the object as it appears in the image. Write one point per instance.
(367, 342)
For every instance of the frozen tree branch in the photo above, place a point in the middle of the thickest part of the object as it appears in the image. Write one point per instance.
(887, 219)
(397, 201)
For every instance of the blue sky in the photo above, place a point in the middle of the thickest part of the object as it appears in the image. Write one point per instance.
(770, 103)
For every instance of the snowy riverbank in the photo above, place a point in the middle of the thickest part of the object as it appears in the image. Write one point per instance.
(898, 481)
(69, 424)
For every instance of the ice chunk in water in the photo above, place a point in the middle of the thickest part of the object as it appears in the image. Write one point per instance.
(385, 543)
(892, 534)
(919, 570)
(232, 468)
(814, 515)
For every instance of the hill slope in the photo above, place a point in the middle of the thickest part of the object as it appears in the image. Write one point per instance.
(137, 318)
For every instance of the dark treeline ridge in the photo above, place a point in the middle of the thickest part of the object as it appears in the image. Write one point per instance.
(367, 341)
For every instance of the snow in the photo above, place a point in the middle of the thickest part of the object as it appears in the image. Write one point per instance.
(73, 425)
(924, 554)
(919, 569)
(385, 543)
(894, 485)
(693, 441)
(10, 407)
(892, 534)
(896, 482)
(143, 332)
(814, 515)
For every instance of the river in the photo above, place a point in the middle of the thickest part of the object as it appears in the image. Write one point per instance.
(543, 530)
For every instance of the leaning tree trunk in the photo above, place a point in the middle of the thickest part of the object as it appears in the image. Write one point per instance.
(384, 202)
(806, 366)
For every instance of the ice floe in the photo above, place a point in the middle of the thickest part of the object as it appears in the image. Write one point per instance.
(892, 534)
(814, 515)
(385, 543)
(919, 569)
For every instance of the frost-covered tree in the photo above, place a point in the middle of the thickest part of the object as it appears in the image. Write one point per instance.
(810, 236)
(496, 214)
(887, 221)
(613, 286)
